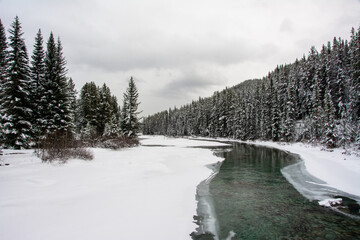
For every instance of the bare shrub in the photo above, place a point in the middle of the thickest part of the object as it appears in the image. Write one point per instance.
(118, 142)
(59, 146)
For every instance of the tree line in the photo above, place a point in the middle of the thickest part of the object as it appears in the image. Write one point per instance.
(37, 99)
(315, 99)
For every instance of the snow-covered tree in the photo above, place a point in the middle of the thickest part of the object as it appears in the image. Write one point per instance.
(105, 108)
(3, 54)
(129, 118)
(38, 77)
(330, 136)
(112, 128)
(317, 114)
(72, 93)
(58, 115)
(354, 106)
(89, 106)
(16, 105)
(3, 71)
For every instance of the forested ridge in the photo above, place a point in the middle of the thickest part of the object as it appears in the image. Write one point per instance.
(315, 99)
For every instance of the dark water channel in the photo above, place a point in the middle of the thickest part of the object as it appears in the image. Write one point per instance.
(252, 198)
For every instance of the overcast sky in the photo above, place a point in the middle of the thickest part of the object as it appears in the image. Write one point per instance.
(178, 50)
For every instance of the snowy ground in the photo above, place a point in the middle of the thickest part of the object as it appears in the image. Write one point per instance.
(133, 194)
(147, 192)
(337, 170)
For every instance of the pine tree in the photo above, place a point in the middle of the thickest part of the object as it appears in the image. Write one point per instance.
(112, 128)
(316, 114)
(3, 73)
(57, 117)
(64, 122)
(72, 93)
(105, 111)
(38, 78)
(355, 83)
(16, 107)
(330, 138)
(289, 126)
(89, 107)
(275, 123)
(129, 120)
(3, 55)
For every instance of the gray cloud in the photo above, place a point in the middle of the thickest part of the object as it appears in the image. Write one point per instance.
(286, 25)
(191, 83)
(188, 48)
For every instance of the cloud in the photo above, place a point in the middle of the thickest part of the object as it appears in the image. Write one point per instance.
(286, 25)
(191, 83)
(180, 49)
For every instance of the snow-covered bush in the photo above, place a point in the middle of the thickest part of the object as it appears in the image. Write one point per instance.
(119, 142)
(58, 146)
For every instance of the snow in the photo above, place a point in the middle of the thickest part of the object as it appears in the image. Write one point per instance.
(333, 170)
(336, 169)
(147, 192)
(330, 202)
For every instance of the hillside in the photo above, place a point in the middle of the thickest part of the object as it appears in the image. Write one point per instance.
(315, 99)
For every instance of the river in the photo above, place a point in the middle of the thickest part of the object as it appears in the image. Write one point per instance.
(250, 197)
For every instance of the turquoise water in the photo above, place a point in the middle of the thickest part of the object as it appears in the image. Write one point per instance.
(252, 198)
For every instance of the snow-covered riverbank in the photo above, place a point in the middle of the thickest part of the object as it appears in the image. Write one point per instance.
(335, 168)
(138, 193)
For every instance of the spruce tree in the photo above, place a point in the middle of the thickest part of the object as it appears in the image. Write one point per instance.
(58, 116)
(3, 72)
(89, 108)
(3, 55)
(355, 83)
(330, 138)
(289, 125)
(64, 122)
(50, 87)
(38, 78)
(316, 114)
(129, 118)
(16, 107)
(72, 104)
(105, 113)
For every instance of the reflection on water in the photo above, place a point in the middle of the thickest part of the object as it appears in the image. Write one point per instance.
(253, 199)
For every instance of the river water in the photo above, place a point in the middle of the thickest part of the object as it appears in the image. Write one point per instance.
(249, 196)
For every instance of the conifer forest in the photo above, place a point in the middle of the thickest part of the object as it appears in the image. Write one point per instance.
(315, 99)
(38, 99)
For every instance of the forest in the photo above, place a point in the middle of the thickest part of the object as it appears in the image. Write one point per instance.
(39, 102)
(315, 99)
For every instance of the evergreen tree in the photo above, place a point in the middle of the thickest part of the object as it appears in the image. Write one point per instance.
(105, 111)
(89, 107)
(72, 93)
(16, 107)
(289, 125)
(355, 83)
(3, 55)
(275, 121)
(3, 72)
(129, 120)
(316, 114)
(38, 78)
(330, 138)
(57, 117)
(112, 128)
